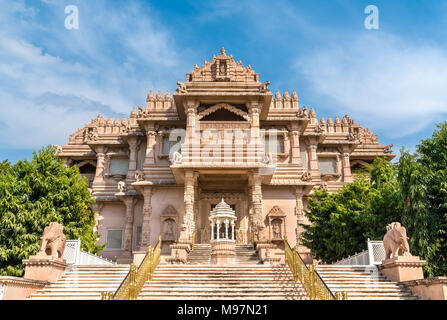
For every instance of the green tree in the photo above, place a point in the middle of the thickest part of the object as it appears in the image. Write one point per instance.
(423, 190)
(342, 222)
(35, 193)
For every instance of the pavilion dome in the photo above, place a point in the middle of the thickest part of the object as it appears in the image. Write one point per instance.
(222, 209)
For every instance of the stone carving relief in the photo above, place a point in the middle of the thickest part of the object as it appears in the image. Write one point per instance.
(121, 187)
(223, 68)
(169, 227)
(388, 149)
(139, 176)
(241, 236)
(395, 241)
(169, 218)
(302, 113)
(225, 106)
(264, 87)
(277, 227)
(176, 158)
(181, 88)
(53, 241)
(306, 176)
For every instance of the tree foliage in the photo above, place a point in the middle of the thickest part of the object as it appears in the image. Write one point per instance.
(35, 193)
(342, 222)
(413, 192)
(423, 183)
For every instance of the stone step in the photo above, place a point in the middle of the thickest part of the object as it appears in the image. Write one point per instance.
(211, 290)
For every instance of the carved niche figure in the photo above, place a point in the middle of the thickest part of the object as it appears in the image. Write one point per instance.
(395, 241)
(139, 176)
(184, 237)
(53, 240)
(121, 187)
(276, 229)
(222, 69)
(241, 236)
(169, 230)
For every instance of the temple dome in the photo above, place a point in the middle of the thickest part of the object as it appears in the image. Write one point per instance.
(222, 209)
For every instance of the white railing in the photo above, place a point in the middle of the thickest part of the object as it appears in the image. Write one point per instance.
(75, 256)
(373, 256)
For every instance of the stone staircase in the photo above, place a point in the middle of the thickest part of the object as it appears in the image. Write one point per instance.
(245, 254)
(216, 282)
(200, 255)
(362, 283)
(84, 283)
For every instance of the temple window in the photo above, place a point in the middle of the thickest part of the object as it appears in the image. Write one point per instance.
(119, 166)
(167, 145)
(114, 239)
(271, 146)
(327, 165)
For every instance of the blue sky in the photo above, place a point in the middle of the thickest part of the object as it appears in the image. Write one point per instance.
(53, 80)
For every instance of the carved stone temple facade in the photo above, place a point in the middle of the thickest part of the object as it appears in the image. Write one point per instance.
(165, 168)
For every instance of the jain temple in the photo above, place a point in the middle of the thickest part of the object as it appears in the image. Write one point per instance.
(202, 194)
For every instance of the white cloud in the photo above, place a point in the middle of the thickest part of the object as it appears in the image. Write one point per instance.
(388, 83)
(53, 81)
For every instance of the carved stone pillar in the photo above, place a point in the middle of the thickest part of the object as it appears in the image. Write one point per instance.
(299, 212)
(189, 201)
(339, 164)
(250, 207)
(191, 146)
(133, 148)
(130, 202)
(150, 146)
(100, 164)
(296, 157)
(257, 202)
(286, 143)
(147, 213)
(347, 176)
(255, 140)
(313, 158)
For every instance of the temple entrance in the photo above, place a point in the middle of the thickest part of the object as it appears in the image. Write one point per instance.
(214, 188)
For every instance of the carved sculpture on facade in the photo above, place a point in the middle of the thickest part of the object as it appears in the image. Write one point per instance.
(306, 176)
(91, 136)
(176, 158)
(139, 176)
(181, 88)
(276, 218)
(395, 241)
(121, 186)
(264, 87)
(169, 232)
(276, 229)
(388, 149)
(53, 241)
(302, 113)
